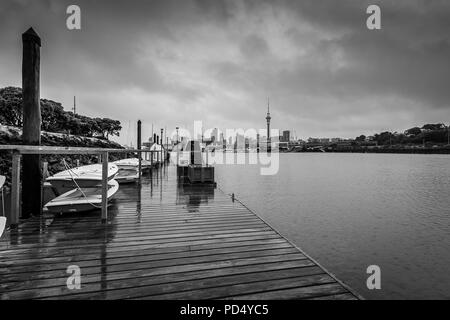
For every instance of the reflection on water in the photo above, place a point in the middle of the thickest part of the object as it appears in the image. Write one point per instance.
(194, 195)
(349, 211)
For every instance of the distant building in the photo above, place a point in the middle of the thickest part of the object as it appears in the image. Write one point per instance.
(214, 135)
(286, 137)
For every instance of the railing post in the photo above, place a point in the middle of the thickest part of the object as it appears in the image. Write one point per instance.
(15, 192)
(104, 186)
(151, 161)
(140, 167)
(139, 143)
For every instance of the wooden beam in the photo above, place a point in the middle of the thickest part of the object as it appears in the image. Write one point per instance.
(15, 189)
(104, 186)
(27, 149)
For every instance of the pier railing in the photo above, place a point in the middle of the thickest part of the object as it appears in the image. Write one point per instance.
(19, 150)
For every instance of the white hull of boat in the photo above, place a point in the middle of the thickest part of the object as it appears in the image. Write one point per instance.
(77, 201)
(132, 163)
(127, 175)
(84, 176)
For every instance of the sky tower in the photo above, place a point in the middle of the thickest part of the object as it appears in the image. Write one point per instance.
(268, 117)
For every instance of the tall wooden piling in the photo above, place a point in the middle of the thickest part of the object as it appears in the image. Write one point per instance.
(139, 143)
(257, 142)
(162, 145)
(32, 174)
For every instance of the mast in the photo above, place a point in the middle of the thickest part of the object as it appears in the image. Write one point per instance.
(268, 117)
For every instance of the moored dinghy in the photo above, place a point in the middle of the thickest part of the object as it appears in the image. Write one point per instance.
(83, 177)
(131, 163)
(81, 200)
(129, 169)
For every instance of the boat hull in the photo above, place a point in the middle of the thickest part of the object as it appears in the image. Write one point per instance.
(83, 177)
(77, 201)
(132, 163)
(128, 175)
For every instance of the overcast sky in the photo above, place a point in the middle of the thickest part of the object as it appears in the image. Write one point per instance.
(172, 62)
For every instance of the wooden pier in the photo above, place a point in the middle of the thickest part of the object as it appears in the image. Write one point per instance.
(162, 240)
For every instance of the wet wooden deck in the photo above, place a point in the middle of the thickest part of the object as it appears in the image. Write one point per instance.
(162, 241)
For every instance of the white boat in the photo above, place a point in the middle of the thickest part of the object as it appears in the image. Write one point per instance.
(80, 200)
(157, 153)
(132, 163)
(2, 225)
(129, 169)
(84, 176)
(127, 175)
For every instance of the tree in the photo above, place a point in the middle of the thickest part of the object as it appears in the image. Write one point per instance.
(54, 117)
(11, 106)
(413, 131)
(436, 126)
(108, 127)
(361, 138)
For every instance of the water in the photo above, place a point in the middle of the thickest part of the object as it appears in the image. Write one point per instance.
(349, 211)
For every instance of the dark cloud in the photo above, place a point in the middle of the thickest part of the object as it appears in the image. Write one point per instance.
(173, 62)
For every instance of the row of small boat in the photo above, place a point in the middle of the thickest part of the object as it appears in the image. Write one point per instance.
(80, 189)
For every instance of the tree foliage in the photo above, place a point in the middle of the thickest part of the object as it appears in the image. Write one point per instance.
(54, 117)
(428, 134)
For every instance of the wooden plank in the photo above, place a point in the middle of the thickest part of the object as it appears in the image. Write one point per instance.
(252, 288)
(342, 296)
(322, 290)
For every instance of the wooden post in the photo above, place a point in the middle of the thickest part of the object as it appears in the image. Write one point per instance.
(32, 174)
(162, 145)
(15, 189)
(151, 161)
(104, 186)
(157, 152)
(139, 142)
(257, 143)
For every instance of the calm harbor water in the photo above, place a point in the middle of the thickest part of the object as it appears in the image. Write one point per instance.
(349, 211)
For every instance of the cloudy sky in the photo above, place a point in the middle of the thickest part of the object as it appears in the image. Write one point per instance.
(172, 62)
